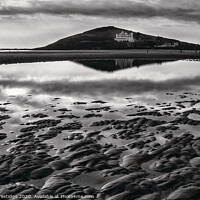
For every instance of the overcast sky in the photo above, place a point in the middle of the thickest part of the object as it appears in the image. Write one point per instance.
(33, 23)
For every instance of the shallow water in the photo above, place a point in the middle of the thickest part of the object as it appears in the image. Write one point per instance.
(74, 79)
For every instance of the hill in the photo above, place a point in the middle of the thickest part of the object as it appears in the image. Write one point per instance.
(107, 38)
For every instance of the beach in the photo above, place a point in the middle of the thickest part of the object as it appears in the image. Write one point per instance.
(15, 56)
(74, 132)
(101, 148)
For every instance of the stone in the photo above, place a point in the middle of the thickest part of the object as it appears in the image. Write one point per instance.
(195, 162)
(90, 115)
(58, 164)
(184, 193)
(123, 195)
(3, 136)
(153, 196)
(119, 184)
(41, 172)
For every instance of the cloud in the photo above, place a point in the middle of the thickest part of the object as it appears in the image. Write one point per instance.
(112, 88)
(176, 9)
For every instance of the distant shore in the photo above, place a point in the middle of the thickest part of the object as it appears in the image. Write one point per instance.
(9, 57)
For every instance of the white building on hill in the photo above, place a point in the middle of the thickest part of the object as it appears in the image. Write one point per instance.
(124, 37)
(169, 44)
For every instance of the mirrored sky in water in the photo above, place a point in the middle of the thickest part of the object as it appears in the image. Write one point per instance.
(75, 79)
(73, 71)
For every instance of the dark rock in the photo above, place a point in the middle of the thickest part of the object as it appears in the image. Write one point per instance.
(3, 136)
(168, 135)
(41, 172)
(99, 101)
(105, 108)
(39, 115)
(64, 110)
(184, 193)
(92, 115)
(94, 133)
(195, 162)
(80, 103)
(154, 196)
(68, 117)
(58, 164)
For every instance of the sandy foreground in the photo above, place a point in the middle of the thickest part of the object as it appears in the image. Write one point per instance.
(7, 57)
(97, 149)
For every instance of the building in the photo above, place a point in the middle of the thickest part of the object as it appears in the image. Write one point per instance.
(176, 44)
(124, 37)
(168, 44)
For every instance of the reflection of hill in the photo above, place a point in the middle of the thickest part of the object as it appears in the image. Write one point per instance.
(112, 65)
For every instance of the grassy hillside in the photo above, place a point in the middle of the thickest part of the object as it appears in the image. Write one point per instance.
(103, 38)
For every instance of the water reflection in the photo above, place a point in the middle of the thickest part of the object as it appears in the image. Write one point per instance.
(92, 78)
(111, 65)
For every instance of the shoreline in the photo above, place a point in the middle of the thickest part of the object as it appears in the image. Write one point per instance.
(45, 56)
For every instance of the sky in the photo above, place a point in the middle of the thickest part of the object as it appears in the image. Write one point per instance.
(35, 23)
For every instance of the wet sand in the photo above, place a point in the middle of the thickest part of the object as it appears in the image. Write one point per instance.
(135, 149)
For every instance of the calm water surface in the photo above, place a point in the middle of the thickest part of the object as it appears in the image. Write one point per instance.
(97, 77)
